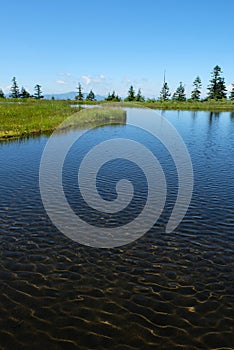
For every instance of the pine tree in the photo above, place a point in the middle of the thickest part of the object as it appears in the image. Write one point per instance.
(139, 97)
(108, 98)
(217, 88)
(131, 94)
(38, 93)
(79, 96)
(2, 94)
(117, 98)
(91, 96)
(113, 97)
(179, 95)
(14, 89)
(164, 93)
(196, 93)
(232, 93)
(24, 93)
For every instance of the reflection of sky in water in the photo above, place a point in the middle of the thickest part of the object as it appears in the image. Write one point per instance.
(162, 291)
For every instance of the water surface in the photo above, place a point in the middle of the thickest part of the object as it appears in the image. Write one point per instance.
(163, 291)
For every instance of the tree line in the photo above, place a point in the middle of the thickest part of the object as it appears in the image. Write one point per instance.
(15, 92)
(216, 91)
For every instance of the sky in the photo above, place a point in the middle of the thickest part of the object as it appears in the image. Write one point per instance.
(109, 45)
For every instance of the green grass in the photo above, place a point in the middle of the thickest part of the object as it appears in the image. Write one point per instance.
(97, 116)
(22, 118)
(26, 117)
(211, 106)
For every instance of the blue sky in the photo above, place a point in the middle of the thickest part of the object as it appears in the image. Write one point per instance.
(109, 45)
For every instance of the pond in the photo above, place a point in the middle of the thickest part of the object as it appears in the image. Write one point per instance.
(164, 290)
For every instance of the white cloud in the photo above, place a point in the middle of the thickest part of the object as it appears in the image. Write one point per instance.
(86, 79)
(61, 82)
(229, 88)
(93, 80)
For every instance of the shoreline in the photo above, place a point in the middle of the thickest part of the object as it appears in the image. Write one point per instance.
(22, 119)
(31, 119)
(215, 106)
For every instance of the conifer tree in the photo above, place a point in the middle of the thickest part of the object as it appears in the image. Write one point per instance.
(2, 94)
(232, 93)
(38, 93)
(79, 96)
(165, 92)
(91, 96)
(14, 89)
(196, 93)
(179, 95)
(217, 88)
(24, 93)
(113, 97)
(131, 94)
(108, 98)
(139, 97)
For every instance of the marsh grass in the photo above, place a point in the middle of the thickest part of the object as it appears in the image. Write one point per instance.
(27, 117)
(23, 118)
(211, 106)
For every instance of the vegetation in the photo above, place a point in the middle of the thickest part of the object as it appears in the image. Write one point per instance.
(196, 93)
(38, 93)
(31, 116)
(92, 117)
(2, 94)
(139, 97)
(217, 88)
(165, 92)
(131, 95)
(14, 89)
(91, 96)
(113, 97)
(79, 96)
(22, 118)
(216, 99)
(212, 106)
(232, 93)
(24, 93)
(179, 95)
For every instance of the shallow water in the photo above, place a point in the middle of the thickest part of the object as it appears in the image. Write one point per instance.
(163, 291)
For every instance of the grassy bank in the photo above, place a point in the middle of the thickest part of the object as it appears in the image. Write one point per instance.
(211, 106)
(23, 118)
(26, 117)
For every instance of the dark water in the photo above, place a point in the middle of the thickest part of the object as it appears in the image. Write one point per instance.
(163, 291)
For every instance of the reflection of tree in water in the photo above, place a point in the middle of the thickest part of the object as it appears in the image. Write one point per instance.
(232, 116)
(212, 116)
(194, 114)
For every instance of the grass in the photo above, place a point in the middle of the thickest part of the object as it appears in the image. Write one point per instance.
(211, 106)
(22, 118)
(97, 116)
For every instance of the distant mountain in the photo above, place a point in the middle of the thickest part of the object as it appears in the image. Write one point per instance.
(69, 96)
